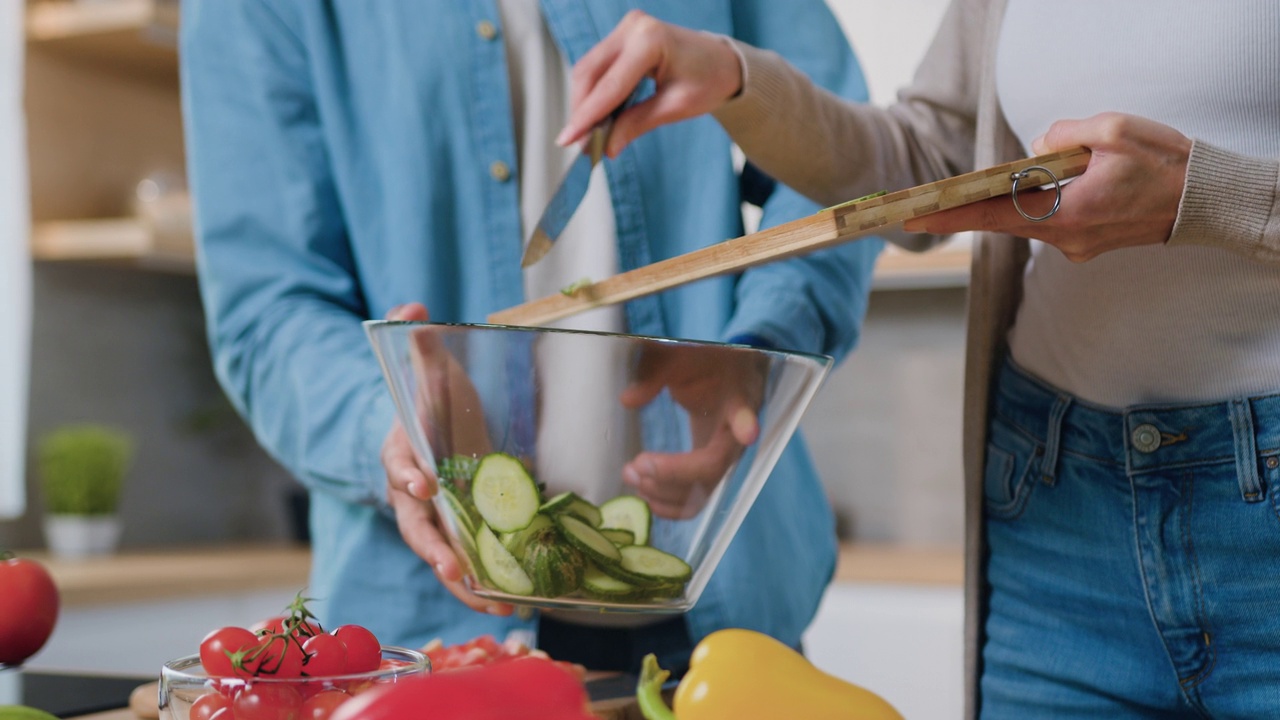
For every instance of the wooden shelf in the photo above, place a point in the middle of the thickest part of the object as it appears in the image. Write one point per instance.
(190, 572)
(122, 239)
(944, 267)
(137, 38)
(900, 565)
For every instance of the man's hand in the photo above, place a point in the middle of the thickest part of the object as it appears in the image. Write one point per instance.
(722, 390)
(410, 487)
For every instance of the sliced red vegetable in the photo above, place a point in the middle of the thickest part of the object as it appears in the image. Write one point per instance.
(526, 688)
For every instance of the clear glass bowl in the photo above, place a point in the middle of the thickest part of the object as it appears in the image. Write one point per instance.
(554, 401)
(183, 682)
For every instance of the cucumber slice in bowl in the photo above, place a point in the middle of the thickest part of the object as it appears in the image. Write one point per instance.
(601, 586)
(501, 566)
(619, 537)
(627, 512)
(516, 542)
(589, 540)
(654, 566)
(504, 494)
(568, 502)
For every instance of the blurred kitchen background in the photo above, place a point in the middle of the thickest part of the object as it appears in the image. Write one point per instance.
(117, 337)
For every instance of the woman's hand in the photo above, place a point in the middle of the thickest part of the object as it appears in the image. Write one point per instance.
(695, 73)
(1128, 195)
(410, 486)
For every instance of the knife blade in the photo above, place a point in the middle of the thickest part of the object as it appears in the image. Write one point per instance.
(564, 203)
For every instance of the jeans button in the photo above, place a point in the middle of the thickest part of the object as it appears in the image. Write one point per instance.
(1146, 438)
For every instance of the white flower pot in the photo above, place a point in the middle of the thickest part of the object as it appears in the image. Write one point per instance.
(80, 536)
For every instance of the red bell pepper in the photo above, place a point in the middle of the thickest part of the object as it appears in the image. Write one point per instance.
(526, 688)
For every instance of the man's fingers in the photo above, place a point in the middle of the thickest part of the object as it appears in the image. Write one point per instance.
(681, 482)
(417, 522)
(403, 472)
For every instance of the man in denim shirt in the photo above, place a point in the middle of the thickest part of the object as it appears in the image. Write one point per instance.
(349, 157)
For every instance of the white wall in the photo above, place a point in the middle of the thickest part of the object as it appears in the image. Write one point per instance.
(15, 266)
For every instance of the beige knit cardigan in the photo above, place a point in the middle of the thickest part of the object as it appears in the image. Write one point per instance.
(948, 121)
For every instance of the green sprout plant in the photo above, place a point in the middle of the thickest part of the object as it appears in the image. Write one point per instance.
(82, 469)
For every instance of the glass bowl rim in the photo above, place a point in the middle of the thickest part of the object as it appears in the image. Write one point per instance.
(373, 325)
(418, 663)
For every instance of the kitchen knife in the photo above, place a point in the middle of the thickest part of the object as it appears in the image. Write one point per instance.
(568, 196)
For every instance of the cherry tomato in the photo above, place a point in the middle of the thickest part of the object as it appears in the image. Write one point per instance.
(279, 656)
(326, 656)
(267, 701)
(322, 705)
(215, 647)
(364, 652)
(208, 705)
(275, 625)
(28, 608)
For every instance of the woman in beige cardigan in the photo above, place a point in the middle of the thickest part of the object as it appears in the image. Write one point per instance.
(1122, 438)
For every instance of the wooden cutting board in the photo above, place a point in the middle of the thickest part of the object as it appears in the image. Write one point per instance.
(834, 225)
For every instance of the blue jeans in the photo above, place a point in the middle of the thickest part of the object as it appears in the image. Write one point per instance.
(1134, 558)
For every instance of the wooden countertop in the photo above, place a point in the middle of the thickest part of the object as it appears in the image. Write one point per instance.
(186, 572)
(175, 573)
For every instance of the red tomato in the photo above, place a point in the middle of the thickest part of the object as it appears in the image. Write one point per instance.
(28, 608)
(206, 706)
(215, 647)
(364, 652)
(322, 705)
(267, 701)
(280, 657)
(326, 656)
(275, 626)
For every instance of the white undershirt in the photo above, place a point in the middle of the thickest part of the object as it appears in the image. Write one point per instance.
(1152, 324)
(580, 438)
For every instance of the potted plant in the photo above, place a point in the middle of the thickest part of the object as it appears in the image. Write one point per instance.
(82, 470)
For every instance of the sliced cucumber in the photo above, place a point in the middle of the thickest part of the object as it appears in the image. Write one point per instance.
(567, 502)
(501, 566)
(466, 523)
(619, 537)
(655, 566)
(516, 542)
(597, 584)
(628, 512)
(588, 539)
(504, 494)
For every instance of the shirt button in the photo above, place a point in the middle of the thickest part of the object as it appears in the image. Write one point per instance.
(1146, 438)
(486, 30)
(500, 171)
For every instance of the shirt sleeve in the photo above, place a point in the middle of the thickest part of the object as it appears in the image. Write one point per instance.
(277, 275)
(813, 303)
(1230, 201)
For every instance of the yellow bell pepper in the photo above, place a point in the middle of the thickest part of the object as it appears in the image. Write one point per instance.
(740, 674)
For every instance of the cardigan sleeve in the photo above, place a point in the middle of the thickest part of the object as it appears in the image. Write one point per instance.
(1230, 201)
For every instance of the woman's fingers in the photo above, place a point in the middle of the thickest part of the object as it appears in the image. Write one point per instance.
(604, 77)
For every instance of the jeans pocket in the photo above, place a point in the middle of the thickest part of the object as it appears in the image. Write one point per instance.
(1011, 458)
(1271, 480)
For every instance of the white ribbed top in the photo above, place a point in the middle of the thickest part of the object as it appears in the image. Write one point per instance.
(1157, 323)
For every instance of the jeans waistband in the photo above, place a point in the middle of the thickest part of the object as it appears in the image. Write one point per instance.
(1141, 438)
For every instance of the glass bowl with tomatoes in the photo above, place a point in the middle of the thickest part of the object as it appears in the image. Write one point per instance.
(286, 669)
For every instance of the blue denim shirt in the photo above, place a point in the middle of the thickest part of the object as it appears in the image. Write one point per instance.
(346, 157)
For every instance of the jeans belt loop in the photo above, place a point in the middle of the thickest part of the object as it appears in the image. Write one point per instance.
(1053, 439)
(1246, 450)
